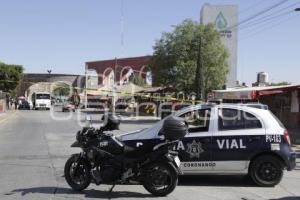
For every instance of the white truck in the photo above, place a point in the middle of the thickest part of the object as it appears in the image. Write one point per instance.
(41, 100)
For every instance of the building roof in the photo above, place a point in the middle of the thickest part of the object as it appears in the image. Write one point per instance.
(253, 92)
(258, 88)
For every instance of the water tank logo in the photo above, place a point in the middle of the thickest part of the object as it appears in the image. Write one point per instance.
(221, 22)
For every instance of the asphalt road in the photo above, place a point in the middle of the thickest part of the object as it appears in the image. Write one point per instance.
(34, 146)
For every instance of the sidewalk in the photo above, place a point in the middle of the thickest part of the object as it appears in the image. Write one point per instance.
(296, 148)
(5, 115)
(2, 115)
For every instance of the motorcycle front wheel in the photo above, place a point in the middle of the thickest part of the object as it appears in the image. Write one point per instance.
(77, 173)
(160, 179)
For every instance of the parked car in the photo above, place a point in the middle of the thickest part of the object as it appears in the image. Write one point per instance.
(24, 105)
(68, 106)
(227, 139)
(41, 100)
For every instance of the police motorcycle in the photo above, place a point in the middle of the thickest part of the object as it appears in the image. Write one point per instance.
(105, 159)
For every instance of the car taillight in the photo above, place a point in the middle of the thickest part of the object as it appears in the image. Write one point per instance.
(287, 137)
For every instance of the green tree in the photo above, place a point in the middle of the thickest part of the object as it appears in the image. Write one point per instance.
(175, 56)
(61, 89)
(10, 76)
(137, 79)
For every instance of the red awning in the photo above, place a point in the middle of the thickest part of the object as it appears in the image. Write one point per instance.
(269, 92)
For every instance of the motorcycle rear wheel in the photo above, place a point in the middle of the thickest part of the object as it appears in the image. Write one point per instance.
(77, 173)
(160, 179)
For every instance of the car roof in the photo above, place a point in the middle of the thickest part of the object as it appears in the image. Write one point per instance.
(259, 110)
(42, 93)
(248, 106)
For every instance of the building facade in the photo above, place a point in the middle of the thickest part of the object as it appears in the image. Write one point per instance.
(225, 18)
(117, 71)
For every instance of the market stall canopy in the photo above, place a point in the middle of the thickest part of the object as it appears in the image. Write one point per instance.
(129, 89)
(161, 89)
(99, 92)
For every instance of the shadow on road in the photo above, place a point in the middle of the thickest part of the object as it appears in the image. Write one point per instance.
(87, 193)
(216, 180)
(288, 198)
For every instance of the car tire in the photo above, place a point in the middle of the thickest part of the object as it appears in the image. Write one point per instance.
(266, 170)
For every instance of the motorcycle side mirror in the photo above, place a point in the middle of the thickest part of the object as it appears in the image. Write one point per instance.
(187, 125)
(88, 120)
(160, 133)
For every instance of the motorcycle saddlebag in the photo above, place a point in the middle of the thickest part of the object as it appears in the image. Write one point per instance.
(174, 128)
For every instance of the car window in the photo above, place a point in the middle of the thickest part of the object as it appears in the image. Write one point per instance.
(198, 120)
(233, 119)
(42, 96)
(251, 121)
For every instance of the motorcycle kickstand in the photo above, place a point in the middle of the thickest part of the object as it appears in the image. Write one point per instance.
(111, 189)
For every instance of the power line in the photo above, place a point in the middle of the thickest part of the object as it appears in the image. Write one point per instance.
(266, 20)
(270, 15)
(258, 14)
(253, 5)
(268, 27)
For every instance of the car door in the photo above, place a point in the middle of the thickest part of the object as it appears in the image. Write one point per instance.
(237, 136)
(195, 149)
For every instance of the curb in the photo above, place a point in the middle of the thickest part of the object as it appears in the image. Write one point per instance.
(296, 147)
(6, 115)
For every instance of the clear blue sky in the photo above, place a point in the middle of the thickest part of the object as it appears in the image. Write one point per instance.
(64, 34)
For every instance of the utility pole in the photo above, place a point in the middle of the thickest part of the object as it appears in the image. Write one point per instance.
(199, 72)
(114, 86)
(85, 90)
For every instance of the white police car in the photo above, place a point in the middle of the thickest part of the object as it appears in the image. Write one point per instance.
(228, 139)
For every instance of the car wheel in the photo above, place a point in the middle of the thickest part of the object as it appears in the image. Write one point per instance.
(266, 171)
